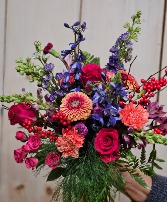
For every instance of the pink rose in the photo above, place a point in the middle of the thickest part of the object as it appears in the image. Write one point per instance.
(34, 142)
(31, 162)
(91, 73)
(21, 136)
(19, 112)
(25, 148)
(19, 155)
(52, 159)
(107, 144)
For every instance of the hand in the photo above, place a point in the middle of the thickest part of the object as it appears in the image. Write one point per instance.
(134, 190)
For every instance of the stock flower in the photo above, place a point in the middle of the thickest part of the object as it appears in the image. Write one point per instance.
(34, 142)
(21, 136)
(19, 112)
(91, 73)
(107, 144)
(52, 159)
(31, 162)
(69, 143)
(76, 106)
(129, 80)
(81, 128)
(135, 117)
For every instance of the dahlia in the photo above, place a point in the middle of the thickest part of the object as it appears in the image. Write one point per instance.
(135, 117)
(69, 143)
(76, 106)
(129, 80)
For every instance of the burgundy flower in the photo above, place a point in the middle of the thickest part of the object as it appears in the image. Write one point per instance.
(81, 128)
(19, 112)
(155, 110)
(47, 48)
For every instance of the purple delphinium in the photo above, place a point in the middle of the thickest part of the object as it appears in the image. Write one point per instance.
(82, 129)
(49, 67)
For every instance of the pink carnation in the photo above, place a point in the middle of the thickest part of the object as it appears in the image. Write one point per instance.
(135, 117)
(70, 143)
(52, 159)
(31, 162)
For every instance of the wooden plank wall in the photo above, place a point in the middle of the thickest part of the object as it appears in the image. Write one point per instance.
(27, 21)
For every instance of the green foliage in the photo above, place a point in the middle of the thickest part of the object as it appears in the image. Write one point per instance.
(27, 97)
(117, 78)
(89, 179)
(134, 31)
(91, 59)
(55, 173)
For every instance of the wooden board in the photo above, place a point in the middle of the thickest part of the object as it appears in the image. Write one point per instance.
(29, 21)
(105, 20)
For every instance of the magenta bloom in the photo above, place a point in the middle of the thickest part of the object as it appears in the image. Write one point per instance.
(34, 142)
(52, 159)
(19, 155)
(107, 144)
(31, 162)
(19, 112)
(21, 136)
(81, 128)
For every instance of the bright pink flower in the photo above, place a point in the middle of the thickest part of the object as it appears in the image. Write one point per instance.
(135, 117)
(52, 159)
(91, 73)
(25, 148)
(34, 142)
(19, 155)
(31, 162)
(19, 112)
(70, 143)
(21, 136)
(107, 144)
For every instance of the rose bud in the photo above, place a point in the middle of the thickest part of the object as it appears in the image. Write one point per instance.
(21, 136)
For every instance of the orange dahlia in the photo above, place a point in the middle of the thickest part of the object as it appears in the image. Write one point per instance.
(76, 106)
(69, 143)
(135, 117)
(129, 80)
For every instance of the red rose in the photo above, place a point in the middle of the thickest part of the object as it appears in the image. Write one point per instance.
(107, 144)
(91, 73)
(34, 142)
(52, 159)
(19, 112)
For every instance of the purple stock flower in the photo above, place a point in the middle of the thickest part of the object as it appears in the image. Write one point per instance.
(97, 110)
(82, 129)
(39, 93)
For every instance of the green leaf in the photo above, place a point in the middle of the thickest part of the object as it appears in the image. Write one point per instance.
(160, 160)
(157, 166)
(55, 173)
(91, 59)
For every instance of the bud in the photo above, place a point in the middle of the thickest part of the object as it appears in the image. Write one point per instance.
(21, 136)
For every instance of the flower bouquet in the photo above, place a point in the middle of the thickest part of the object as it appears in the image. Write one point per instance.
(85, 121)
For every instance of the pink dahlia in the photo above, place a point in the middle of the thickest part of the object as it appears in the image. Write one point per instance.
(129, 80)
(76, 106)
(135, 117)
(69, 143)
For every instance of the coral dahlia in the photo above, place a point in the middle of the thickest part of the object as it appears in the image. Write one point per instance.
(76, 106)
(69, 143)
(135, 117)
